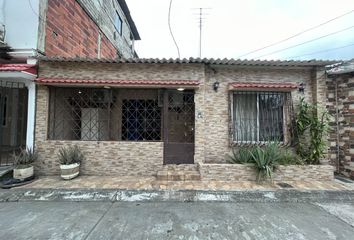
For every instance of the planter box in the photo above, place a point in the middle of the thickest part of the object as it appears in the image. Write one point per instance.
(246, 172)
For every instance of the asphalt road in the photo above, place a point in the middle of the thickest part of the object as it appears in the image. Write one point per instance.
(175, 220)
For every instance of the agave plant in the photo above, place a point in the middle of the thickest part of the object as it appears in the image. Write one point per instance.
(25, 157)
(266, 159)
(240, 156)
(69, 155)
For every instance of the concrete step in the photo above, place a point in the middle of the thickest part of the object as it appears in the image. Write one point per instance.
(181, 167)
(178, 175)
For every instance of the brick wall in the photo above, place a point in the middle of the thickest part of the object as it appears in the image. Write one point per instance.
(103, 14)
(70, 32)
(345, 106)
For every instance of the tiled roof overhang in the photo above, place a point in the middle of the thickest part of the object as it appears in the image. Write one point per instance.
(26, 68)
(123, 83)
(262, 86)
(207, 61)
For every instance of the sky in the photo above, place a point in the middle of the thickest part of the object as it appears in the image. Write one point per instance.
(232, 28)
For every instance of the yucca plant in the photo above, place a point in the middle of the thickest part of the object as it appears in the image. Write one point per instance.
(69, 155)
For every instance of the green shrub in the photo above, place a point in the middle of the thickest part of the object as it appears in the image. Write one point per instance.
(311, 129)
(71, 154)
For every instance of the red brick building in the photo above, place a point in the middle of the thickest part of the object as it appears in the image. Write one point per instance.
(52, 28)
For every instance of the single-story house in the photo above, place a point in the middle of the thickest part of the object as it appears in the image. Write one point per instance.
(139, 116)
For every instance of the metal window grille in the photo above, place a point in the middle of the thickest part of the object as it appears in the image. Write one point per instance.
(141, 120)
(97, 114)
(260, 117)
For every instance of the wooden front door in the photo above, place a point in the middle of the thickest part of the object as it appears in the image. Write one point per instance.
(178, 127)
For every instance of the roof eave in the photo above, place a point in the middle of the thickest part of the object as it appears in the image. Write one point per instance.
(132, 25)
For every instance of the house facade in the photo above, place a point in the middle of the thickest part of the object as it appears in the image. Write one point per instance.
(137, 116)
(71, 28)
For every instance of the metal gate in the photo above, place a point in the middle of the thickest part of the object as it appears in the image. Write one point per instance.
(13, 119)
(178, 127)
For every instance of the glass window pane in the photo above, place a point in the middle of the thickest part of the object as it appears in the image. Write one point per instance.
(271, 116)
(245, 116)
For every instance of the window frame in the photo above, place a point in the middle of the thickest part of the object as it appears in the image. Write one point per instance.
(4, 111)
(286, 117)
(120, 27)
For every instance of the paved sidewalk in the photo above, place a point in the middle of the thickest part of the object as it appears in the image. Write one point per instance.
(150, 183)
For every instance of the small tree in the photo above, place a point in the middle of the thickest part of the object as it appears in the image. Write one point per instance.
(311, 128)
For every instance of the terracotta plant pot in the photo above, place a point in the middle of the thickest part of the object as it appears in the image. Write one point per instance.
(23, 172)
(69, 171)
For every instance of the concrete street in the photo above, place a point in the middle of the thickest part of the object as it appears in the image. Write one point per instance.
(175, 220)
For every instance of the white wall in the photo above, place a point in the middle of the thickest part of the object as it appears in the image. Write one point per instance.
(21, 22)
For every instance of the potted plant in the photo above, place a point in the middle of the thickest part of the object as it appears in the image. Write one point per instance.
(23, 161)
(70, 158)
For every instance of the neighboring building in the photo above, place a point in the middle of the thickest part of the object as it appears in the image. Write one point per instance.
(340, 95)
(70, 28)
(132, 117)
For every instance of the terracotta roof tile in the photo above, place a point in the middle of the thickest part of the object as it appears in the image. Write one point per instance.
(248, 85)
(119, 82)
(28, 68)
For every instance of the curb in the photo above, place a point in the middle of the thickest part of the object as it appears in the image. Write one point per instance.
(115, 195)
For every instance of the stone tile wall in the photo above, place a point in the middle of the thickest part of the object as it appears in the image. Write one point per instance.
(212, 117)
(217, 113)
(343, 101)
(239, 172)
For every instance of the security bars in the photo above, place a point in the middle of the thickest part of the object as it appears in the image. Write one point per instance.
(98, 114)
(13, 119)
(260, 117)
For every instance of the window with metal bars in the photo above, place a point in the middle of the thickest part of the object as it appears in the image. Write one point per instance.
(259, 117)
(141, 120)
(97, 114)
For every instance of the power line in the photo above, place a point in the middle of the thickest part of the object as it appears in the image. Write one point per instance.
(169, 26)
(312, 40)
(297, 34)
(326, 50)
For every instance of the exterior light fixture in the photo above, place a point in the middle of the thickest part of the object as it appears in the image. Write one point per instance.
(301, 87)
(180, 89)
(106, 87)
(79, 92)
(216, 86)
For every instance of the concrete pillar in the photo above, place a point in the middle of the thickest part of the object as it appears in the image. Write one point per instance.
(31, 114)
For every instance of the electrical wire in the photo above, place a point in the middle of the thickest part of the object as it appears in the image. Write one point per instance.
(297, 34)
(299, 44)
(169, 26)
(34, 12)
(326, 50)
